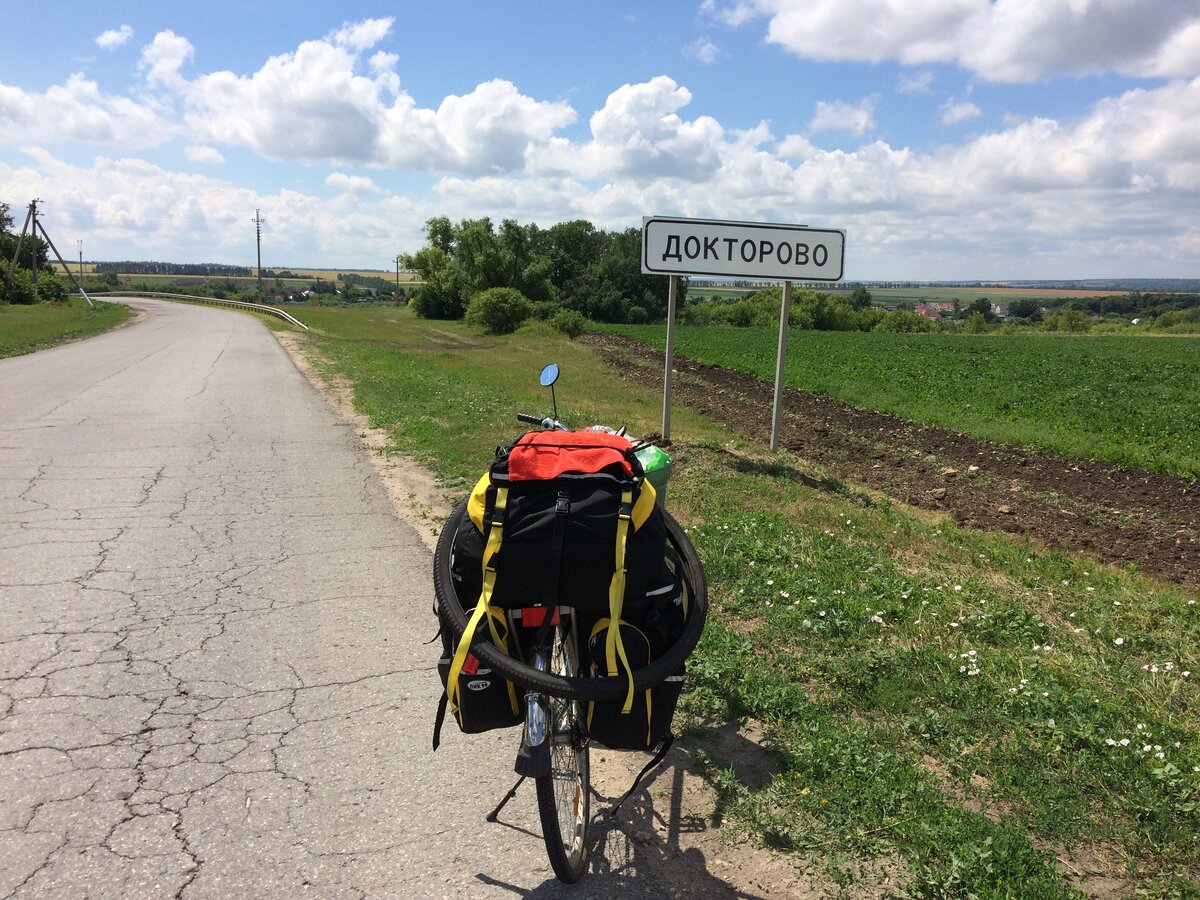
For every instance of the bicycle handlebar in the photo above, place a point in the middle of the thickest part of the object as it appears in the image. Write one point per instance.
(547, 423)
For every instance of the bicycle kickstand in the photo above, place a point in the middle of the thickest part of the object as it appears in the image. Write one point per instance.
(491, 817)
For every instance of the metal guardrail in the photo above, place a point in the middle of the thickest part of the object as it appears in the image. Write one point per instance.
(212, 301)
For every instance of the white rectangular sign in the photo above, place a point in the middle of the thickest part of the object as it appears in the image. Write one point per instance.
(673, 246)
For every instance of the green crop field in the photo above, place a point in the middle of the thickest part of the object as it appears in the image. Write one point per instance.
(916, 294)
(1128, 400)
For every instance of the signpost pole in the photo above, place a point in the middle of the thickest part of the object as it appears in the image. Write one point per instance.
(780, 359)
(672, 293)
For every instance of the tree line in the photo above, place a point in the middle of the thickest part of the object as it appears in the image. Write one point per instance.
(129, 267)
(571, 266)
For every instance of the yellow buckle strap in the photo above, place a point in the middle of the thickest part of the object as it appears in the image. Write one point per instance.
(614, 648)
(482, 608)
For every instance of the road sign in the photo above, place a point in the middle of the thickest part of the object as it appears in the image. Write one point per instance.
(672, 246)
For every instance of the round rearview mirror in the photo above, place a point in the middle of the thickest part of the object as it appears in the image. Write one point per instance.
(549, 375)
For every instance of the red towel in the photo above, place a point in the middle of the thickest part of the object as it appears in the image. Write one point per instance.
(542, 455)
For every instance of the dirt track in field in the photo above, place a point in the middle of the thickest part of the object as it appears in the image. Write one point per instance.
(1122, 516)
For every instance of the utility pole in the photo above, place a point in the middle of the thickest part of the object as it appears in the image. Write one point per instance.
(62, 262)
(258, 223)
(80, 243)
(33, 254)
(12, 267)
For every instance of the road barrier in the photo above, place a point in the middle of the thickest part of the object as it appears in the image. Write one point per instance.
(212, 301)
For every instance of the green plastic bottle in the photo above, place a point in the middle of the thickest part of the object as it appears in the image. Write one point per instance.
(657, 464)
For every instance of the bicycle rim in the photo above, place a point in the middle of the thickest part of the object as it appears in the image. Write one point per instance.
(564, 795)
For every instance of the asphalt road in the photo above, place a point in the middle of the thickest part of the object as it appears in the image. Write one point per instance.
(213, 675)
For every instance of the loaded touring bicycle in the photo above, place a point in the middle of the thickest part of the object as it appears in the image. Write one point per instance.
(569, 600)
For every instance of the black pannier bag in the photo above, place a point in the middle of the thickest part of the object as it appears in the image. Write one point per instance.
(645, 636)
(567, 518)
(485, 699)
(564, 493)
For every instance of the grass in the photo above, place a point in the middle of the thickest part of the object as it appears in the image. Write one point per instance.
(966, 706)
(1122, 399)
(24, 329)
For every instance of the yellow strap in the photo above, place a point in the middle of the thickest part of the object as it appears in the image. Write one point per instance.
(614, 647)
(596, 629)
(477, 502)
(482, 608)
(644, 505)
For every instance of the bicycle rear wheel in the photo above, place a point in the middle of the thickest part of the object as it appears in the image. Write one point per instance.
(564, 795)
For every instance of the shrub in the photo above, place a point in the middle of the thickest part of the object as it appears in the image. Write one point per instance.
(545, 309)
(569, 321)
(498, 310)
(51, 288)
(903, 320)
(976, 323)
(21, 289)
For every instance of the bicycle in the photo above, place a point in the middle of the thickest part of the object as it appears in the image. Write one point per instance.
(544, 659)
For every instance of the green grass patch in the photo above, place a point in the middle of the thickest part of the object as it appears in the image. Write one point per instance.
(24, 329)
(1126, 400)
(964, 704)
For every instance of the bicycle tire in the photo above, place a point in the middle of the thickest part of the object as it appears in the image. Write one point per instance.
(564, 796)
(576, 687)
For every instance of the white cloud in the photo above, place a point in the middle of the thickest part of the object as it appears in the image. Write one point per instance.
(111, 39)
(638, 134)
(209, 156)
(702, 50)
(915, 82)
(1037, 196)
(363, 35)
(163, 57)
(1001, 40)
(957, 111)
(796, 146)
(79, 111)
(314, 105)
(358, 185)
(856, 118)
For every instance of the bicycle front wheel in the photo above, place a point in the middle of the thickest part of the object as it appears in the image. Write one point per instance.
(564, 795)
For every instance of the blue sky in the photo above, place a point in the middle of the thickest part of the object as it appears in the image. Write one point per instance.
(973, 139)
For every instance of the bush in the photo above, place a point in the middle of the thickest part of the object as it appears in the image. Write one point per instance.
(569, 321)
(21, 289)
(976, 323)
(50, 288)
(545, 309)
(903, 321)
(498, 310)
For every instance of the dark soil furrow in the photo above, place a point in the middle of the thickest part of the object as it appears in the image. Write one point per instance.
(1124, 516)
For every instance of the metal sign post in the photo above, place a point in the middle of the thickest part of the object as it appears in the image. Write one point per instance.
(674, 247)
(780, 359)
(672, 294)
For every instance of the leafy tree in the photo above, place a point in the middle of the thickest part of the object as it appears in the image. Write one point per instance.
(976, 323)
(904, 321)
(861, 298)
(570, 248)
(1025, 309)
(983, 306)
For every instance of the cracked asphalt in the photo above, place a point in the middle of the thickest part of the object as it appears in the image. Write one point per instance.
(213, 673)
